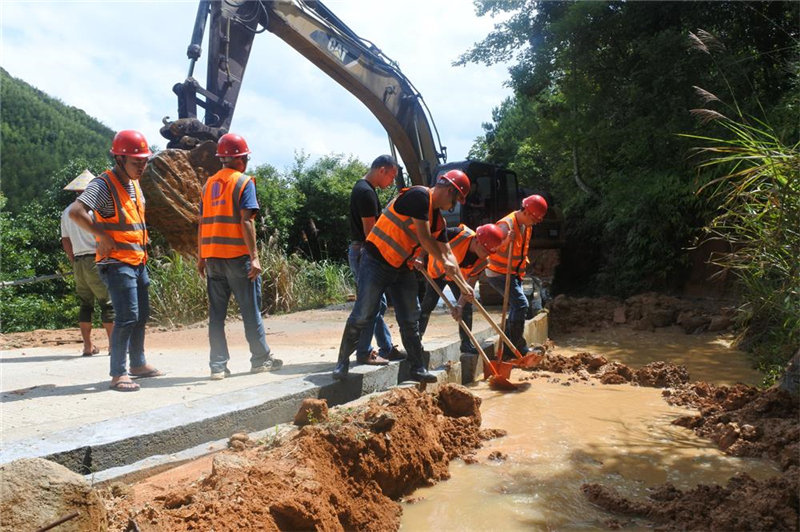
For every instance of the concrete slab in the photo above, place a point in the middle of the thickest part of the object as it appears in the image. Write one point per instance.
(57, 405)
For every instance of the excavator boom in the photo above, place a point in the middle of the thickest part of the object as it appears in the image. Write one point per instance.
(318, 35)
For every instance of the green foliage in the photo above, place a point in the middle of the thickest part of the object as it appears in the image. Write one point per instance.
(40, 136)
(759, 217)
(177, 292)
(323, 217)
(279, 201)
(601, 94)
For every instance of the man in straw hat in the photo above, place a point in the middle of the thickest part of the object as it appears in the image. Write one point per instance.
(80, 247)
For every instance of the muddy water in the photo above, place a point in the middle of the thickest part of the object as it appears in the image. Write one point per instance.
(708, 357)
(560, 437)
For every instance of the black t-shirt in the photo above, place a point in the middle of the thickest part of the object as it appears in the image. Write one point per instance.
(415, 203)
(364, 203)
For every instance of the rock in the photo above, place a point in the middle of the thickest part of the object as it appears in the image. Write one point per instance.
(311, 411)
(728, 437)
(661, 317)
(695, 324)
(643, 324)
(35, 492)
(718, 323)
(382, 422)
(223, 462)
(457, 401)
(790, 381)
(619, 315)
(172, 183)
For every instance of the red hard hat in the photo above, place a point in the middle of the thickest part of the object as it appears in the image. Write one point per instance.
(232, 145)
(490, 236)
(535, 206)
(131, 143)
(458, 179)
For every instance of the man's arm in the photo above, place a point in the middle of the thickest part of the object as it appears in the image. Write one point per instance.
(367, 223)
(440, 251)
(249, 233)
(201, 262)
(66, 243)
(79, 213)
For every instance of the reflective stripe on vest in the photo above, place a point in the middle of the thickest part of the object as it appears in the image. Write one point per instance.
(127, 226)
(396, 237)
(519, 255)
(221, 234)
(460, 246)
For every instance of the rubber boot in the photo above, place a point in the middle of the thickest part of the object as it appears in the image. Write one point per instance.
(417, 371)
(517, 336)
(466, 343)
(348, 345)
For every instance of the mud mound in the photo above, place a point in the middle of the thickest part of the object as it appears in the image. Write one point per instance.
(654, 375)
(744, 504)
(345, 473)
(641, 312)
(742, 420)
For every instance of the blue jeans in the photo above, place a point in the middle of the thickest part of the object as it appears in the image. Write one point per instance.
(128, 288)
(381, 332)
(374, 278)
(224, 276)
(517, 302)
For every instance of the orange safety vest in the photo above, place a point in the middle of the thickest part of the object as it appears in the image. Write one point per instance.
(396, 237)
(519, 255)
(127, 225)
(460, 246)
(221, 226)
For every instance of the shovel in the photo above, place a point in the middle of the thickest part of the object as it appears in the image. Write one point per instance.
(527, 361)
(506, 290)
(499, 379)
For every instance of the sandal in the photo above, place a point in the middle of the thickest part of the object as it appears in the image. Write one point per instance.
(147, 374)
(125, 386)
(373, 359)
(94, 351)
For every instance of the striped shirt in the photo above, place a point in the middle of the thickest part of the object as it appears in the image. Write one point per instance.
(98, 198)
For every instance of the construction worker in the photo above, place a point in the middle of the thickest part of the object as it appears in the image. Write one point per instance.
(520, 225)
(116, 199)
(228, 257)
(81, 247)
(411, 222)
(365, 208)
(471, 249)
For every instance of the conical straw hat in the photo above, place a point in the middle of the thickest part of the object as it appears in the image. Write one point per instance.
(81, 182)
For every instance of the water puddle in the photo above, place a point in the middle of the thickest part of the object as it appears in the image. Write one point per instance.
(560, 437)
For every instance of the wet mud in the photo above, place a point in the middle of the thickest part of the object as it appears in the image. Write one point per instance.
(347, 472)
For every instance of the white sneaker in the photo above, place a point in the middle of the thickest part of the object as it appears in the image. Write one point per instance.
(220, 375)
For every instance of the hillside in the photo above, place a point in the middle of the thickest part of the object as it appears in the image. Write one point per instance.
(40, 135)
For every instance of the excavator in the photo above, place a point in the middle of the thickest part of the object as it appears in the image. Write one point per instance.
(359, 66)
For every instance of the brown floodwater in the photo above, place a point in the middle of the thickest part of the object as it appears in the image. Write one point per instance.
(561, 436)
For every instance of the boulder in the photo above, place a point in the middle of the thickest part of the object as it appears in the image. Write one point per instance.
(35, 493)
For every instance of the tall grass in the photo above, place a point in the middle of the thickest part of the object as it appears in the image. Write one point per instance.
(289, 283)
(759, 217)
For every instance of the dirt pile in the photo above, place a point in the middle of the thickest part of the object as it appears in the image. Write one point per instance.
(586, 365)
(345, 473)
(644, 312)
(742, 421)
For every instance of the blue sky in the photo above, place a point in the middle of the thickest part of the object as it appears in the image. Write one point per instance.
(118, 62)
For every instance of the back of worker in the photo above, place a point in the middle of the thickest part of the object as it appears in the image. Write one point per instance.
(228, 257)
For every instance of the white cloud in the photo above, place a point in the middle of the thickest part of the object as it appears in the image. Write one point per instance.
(118, 62)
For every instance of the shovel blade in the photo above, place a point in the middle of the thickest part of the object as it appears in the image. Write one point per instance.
(502, 369)
(528, 361)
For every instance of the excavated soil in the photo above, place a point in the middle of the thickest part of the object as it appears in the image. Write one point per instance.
(344, 472)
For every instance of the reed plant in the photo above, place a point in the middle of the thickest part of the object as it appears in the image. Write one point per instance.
(177, 292)
(759, 217)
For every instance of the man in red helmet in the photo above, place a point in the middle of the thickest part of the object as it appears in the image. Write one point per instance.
(228, 257)
(119, 227)
(471, 249)
(520, 224)
(410, 222)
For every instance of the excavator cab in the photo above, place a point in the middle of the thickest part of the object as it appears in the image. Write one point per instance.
(494, 193)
